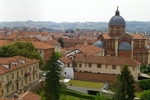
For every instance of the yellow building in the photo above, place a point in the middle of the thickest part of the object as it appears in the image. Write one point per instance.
(16, 73)
(103, 65)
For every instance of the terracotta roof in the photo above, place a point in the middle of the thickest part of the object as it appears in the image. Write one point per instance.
(110, 51)
(82, 58)
(41, 45)
(11, 36)
(4, 42)
(63, 50)
(78, 40)
(24, 96)
(52, 42)
(137, 36)
(28, 39)
(106, 36)
(88, 49)
(29, 96)
(139, 50)
(65, 60)
(7, 61)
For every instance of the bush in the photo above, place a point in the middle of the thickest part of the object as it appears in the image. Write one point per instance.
(145, 95)
(145, 84)
(77, 94)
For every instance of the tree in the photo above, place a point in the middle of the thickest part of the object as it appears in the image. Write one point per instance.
(124, 85)
(25, 49)
(60, 40)
(53, 86)
(145, 95)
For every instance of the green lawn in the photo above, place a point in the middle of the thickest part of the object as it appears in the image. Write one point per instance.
(86, 84)
(137, 94)
(68, 97)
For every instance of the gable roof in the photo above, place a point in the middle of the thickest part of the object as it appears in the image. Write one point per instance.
(41, 45)
(137, 36)
(88, 49)
(65, 60)
(106, 36)
(106, 60)
(52, 42)
(29, 96)
(7, 61)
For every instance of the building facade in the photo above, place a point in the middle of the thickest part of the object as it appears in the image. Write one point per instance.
(120, 44)
(104, 65)
(17, 73)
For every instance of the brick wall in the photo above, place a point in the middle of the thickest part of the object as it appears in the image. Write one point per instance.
(125, 53)
(94, 77)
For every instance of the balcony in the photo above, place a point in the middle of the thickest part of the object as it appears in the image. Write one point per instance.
(8, 82)
(27, 74)
(18, 78)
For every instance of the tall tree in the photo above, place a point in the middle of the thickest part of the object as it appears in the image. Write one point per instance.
(124, 85)
(60, 40)
(52, 86)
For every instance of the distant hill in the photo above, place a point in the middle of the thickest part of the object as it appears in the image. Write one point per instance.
(131, 26)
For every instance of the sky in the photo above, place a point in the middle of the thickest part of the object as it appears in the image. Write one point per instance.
(73, 10)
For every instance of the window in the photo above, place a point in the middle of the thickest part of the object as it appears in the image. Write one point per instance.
(65, 73)
(30, 79)
(68, 65)
(75, 64)
(90, 65)
(80, 65)
(133, 68)
(12, 87)
(33, 77)
(113, 66)
(106, 66)
(12, 75)
(22, 82)
(98, 65)
(21, 72)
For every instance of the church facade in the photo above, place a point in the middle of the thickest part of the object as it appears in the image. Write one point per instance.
(118, 43)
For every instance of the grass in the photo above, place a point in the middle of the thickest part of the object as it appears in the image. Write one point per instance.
(86, 84)
(137, 94)
(68, 97)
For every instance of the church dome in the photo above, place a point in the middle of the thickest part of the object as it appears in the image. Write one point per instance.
(99, 44)
(117, 19)
(125, 46)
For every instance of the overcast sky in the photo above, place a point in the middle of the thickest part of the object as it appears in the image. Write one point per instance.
(73, 10)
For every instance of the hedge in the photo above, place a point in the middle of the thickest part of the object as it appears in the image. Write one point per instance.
(77, 94)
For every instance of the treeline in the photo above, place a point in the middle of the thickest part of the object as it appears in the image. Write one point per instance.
(131, 26)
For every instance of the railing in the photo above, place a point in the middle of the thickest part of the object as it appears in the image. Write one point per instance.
(27, 74)
(8, 82)
(18, 78)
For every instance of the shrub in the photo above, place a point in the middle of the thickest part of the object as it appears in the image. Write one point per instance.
(77, 94)
(145, 84)
(145, 95)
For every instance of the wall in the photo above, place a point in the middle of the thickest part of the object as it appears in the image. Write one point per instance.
(94, 77)
(124, 53)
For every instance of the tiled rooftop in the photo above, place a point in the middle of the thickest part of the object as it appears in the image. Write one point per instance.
(7, 61)
(106, 60)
